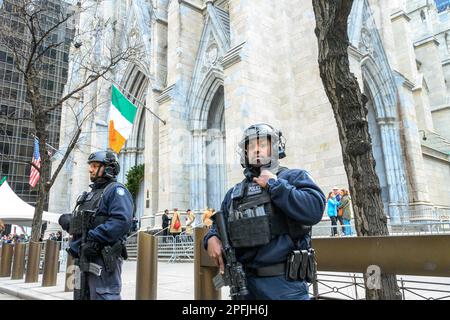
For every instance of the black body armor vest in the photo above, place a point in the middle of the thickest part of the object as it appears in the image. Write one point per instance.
(89, 201)
(254, 220)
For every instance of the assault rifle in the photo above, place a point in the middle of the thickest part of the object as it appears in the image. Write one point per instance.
(234, 275)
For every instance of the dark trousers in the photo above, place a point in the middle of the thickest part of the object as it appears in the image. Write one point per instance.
(341, 221)
(276, 288)
(165, 232)
(108, 285)
(333, 226)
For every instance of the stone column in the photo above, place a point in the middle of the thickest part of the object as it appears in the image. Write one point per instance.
(215, 170)
(158, 70)
(394, 169)
(185, 24)
(151, 161)
(198, 172)
(419, 201)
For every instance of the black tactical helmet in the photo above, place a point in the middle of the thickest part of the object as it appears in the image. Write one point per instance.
(109, 159)
(261, 130)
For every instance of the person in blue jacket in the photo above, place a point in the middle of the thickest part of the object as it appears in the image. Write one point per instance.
(269, 216)
(332, 206)
(112, 221)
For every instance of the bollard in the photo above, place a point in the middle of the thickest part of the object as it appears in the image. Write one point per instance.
(147, 267)
(34, 254)
(7, 255)
(50, 263)
(204, 270)
(18, 268)
(70, 274)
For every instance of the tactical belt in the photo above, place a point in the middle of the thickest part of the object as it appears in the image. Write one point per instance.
(269, 271)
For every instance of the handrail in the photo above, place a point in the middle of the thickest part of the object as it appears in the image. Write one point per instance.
(161, 230)
(133, 234)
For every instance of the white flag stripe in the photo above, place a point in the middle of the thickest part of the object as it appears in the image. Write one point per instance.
(121, 124)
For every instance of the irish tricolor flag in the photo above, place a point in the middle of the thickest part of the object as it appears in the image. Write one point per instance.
(121, 117)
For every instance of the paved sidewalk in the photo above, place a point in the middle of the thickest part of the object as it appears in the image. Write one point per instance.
(175, 282)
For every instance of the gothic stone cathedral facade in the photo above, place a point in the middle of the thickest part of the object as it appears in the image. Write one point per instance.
(211, 68)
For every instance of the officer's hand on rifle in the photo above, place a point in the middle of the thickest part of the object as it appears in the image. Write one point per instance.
(90, 248)
(215, 252)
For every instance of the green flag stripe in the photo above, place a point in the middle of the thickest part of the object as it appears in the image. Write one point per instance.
(125, 107)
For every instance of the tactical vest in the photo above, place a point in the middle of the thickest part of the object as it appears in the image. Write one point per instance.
(89, 201)
(254, 220)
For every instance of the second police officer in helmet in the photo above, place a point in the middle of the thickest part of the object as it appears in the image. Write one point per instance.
(111, 205)
(269, 217)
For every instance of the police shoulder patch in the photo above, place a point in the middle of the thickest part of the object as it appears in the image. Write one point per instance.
(120, 191)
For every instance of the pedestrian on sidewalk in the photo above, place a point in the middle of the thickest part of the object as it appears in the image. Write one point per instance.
(346, 206)
(190, 217)
(332, 205)
(175, 224)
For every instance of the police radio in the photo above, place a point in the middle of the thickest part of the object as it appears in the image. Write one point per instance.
(281, 146)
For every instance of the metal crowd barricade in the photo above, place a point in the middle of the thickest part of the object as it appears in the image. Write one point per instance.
(175, 248)
(183, 247)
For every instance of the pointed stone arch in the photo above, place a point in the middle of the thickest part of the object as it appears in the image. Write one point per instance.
(384, 122)
(207, 126)
(199, 104)
(377, 78)
(205, 103)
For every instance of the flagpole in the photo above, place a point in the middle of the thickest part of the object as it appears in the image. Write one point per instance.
(47, 144)
(137, 100)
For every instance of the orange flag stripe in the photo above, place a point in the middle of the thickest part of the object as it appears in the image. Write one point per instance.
(116, 141)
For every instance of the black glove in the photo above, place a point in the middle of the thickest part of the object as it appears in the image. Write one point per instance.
(64, 221)
(90, 249)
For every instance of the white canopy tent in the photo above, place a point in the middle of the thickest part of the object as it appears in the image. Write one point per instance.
(14, 210)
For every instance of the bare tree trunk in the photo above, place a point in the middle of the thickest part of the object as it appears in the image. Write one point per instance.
(350, 113)
(32, 273)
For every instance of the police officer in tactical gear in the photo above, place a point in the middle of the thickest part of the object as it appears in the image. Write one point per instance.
(103, 244)
(269, 217)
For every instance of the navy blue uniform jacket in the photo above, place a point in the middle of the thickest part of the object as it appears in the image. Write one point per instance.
(117, 204)
(296, 195)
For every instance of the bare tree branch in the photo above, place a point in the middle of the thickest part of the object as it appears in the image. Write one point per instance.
(70, 147)
(93, 77)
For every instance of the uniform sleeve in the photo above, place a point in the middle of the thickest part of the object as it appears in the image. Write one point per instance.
(119, 205)
(213, 230)
(298, 196)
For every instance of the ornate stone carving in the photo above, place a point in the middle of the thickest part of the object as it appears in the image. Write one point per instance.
(212, 53)
(366, 44)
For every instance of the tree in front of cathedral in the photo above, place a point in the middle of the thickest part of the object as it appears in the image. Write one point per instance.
(35, 33)
(350, 112)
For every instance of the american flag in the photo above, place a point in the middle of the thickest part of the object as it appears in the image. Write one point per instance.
(34, 173)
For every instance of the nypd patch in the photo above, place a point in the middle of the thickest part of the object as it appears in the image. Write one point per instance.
(120, 191)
